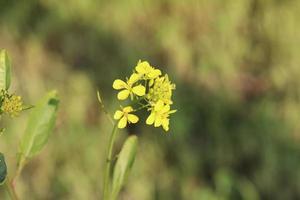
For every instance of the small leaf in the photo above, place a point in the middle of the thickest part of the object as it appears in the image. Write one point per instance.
(40, 125)
(5, 70)
(123, 165)
(3, 169)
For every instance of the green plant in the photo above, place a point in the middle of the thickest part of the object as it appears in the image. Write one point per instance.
(40, 123)
(148, 90)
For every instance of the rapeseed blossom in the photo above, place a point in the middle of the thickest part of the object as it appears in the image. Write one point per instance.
(12, 105)
(161, 91)
(160, 115)
(124, 116)
(146, 71)
(148, 89)
(127, 88)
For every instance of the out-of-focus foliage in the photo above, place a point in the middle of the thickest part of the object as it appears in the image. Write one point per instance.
(3, 169)
(40, 125)
(236, 68)
(4, 70)
(123, 165)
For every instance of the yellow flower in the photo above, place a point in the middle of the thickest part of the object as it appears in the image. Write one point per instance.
(156, 92)
(145, 70)
(161, 90)
(159, 115)
(124, 116)
(127, 87)
(12, 105)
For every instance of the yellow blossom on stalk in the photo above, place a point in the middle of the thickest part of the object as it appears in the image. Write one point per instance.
(146, 71)
(161, 90)
(125, 117)
(12, 105)
(157, 98)
(160, 115)
(127, 88)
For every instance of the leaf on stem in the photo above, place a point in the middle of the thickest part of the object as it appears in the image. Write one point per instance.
(40, 125)
(123, 165)
(5, 70)
(3, 169)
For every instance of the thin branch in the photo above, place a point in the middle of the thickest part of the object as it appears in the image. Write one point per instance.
(104, 109)
(11, 189)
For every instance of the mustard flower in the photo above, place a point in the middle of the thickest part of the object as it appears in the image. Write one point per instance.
(157, 98)
(125, 117)
(161, 90)
(159, 115)
(127, 88)
(12, 105)
(146, 71)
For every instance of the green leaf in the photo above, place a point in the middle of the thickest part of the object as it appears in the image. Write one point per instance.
(5, 70)
(3, 169)
(124, 165)
(40, 125)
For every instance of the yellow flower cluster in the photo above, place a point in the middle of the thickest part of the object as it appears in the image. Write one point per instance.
(12, 105)
(147, 89)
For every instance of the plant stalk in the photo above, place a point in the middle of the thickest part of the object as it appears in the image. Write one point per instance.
(19, 170)
(11, 190)
(106, 186)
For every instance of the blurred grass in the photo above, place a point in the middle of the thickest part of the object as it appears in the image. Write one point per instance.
(236, 67)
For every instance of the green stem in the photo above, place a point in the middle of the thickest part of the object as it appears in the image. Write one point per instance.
(104, 109)
(19, 170)
(11, 190)
(142, 107)
(106, 185)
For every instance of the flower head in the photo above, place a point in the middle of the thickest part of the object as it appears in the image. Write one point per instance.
(146, 71)
(161, 90)
(160, 115)
(127, 88)
(150, 90)
(125, 116)
(12, 105)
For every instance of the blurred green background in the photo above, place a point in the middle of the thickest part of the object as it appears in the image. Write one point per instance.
(236, 68)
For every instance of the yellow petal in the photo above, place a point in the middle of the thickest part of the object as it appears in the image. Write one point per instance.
(122, 123)
(123, 94)
(150, 120)
(158, 121)
(154, 73)
(172, 111)
(127, 109)
(151, 82)
(133, 118)
(165, 109)
(159, 105)
(133, 78)
(142, 67)
(119, 84)
(169, 101)
(118, 114)
(139, 90)
(165, 124)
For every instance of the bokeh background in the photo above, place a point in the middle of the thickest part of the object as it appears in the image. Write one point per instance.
(236, 68)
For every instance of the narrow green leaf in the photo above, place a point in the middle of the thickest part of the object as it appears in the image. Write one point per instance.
(123, 165)
(5, 70)
(40, 125)
(3, 169)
